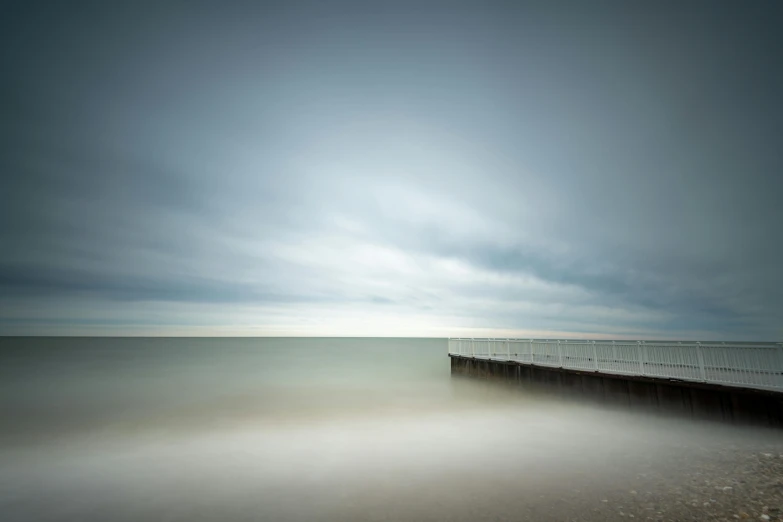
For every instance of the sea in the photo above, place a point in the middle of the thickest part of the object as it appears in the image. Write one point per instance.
(298, 429)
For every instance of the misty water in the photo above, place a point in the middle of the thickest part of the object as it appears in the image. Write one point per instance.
(310, 429)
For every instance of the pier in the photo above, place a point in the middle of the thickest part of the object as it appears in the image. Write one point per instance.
(737, 382)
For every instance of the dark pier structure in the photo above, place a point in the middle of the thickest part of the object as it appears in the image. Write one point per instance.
(699, 400)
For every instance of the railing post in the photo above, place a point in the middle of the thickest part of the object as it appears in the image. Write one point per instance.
(532, 361)
(472, 347)
(702, 373)
(640, 345)
(508, 349)
(559, 354)
(780, 365)
(614, 357)
(595, 355)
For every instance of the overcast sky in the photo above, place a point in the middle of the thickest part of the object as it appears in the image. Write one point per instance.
(581, 169)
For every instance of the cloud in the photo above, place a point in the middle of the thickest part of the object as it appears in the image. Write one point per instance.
(488, 172)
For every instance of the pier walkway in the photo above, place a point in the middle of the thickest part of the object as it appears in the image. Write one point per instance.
(735, 364)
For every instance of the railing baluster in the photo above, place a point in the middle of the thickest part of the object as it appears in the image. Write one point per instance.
(640, 352)
(559, 355)
(702, 372)
(779, 369)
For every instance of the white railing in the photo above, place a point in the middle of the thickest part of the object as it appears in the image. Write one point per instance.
(751, 365)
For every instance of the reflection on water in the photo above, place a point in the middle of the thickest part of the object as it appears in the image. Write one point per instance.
(304, 429)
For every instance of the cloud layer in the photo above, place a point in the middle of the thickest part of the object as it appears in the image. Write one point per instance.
(411, 170)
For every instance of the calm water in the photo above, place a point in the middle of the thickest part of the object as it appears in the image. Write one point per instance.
(303, 429)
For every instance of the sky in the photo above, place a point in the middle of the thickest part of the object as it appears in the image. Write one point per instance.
(530, 169)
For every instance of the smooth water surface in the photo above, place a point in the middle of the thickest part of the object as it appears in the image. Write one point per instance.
(304, 429)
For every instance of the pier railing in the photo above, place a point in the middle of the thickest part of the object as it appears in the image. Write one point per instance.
(749, 365)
